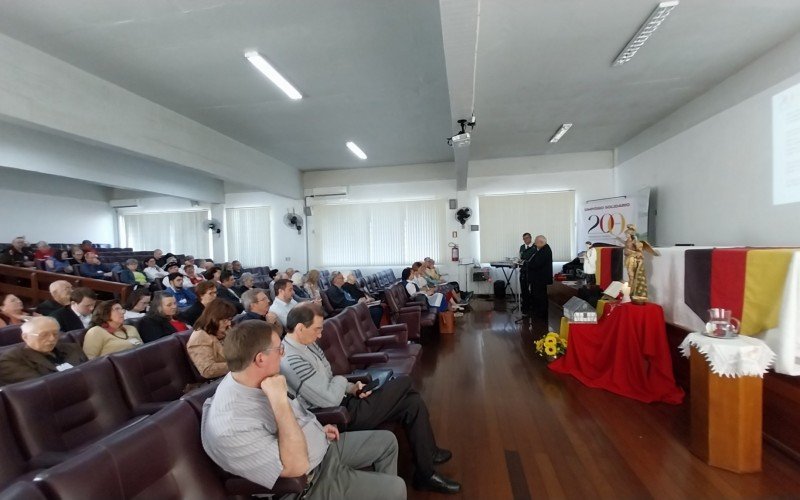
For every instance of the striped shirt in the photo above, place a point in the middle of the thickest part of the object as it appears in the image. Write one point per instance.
(309, 375)
(240, 434)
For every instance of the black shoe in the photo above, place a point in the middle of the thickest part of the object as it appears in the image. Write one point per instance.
(437, 483)
(441, 456)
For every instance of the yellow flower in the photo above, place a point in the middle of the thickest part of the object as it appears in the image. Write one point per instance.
(550, 341)
(550, 350)
(551, 335)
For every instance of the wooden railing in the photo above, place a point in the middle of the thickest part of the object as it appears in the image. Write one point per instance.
(32, 286)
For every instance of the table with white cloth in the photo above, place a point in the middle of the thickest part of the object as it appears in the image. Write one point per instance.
(726, 399)
(761, 285)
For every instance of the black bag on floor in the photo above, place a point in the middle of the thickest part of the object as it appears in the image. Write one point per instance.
(499, 289)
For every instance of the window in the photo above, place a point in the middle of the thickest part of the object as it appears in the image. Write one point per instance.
(248, 235)
(176, 232)
(504, 218)
(378, 234)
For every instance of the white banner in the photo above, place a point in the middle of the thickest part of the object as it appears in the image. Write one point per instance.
(604, 220)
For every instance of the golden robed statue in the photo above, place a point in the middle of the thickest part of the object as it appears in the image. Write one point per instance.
(634, 263)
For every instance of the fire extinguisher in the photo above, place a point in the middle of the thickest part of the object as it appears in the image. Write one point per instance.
(454, 253)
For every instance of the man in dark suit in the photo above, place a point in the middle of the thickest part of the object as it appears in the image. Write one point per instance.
(225, 290)
(78, 314)
(526, 251)
(540, 274)
(40, 353)
(340, 298)
(60, 290)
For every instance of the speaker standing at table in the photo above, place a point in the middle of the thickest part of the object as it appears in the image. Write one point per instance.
(540, 274)
(526, 251)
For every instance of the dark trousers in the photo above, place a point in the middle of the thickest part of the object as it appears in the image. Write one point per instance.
(526, 294)
(376, 312)
(397, 400)
(540, 303)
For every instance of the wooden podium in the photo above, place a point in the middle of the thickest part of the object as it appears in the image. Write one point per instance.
(725, 418)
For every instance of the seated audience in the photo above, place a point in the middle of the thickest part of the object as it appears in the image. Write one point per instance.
(340, 298)
(76, 257)
(434, 279)
(212, 274)
(40, 353)
(251, 428)
(236, 269)
(78, 314)
(300, 294)
(187, 261)
(207, 264)
(205, 344)
(93, 268)
(311, 285)
(246, 282)
(160, 258)
(192, 278)
(12, 311)
(152, 271)
(284, 301)
(256, 306)
(49, 261)
(60, 290)
(170, 268)
(205, 292)
(184, 296)
(351, 287)
(308, 375)
(225, 290)
(131, 274)
(88, 247)
(411, 279)
(137, 303)
(160, 318)
(108, 333)
(18, 254)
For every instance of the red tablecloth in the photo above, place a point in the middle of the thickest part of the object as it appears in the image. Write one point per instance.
(625, 353)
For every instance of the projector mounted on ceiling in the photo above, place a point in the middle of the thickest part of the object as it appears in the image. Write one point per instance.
(462, 138)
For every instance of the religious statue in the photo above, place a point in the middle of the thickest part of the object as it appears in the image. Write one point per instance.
(634, 264)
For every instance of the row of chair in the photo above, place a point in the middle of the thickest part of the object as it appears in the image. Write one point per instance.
(94, 416)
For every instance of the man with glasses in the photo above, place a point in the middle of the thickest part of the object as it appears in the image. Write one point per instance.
(40, 352)
(256, 306)
(310, 376)
(252, 428)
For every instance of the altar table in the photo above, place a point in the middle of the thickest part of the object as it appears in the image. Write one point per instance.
(625, 353)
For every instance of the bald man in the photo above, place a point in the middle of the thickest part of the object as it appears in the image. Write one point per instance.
(60, 290)
(40, 353)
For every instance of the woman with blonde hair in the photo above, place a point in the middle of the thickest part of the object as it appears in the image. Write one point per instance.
(311, 285)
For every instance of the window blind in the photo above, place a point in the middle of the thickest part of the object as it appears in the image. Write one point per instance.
(248, 235)
(176, 232)
(379, 234)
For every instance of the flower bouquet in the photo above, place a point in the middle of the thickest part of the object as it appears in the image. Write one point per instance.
(551, 346)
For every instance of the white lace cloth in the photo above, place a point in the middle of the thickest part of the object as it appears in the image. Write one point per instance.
(739, 357)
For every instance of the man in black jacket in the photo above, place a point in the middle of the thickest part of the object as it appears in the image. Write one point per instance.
(78, 314)
(340, 298)
(526, 251)
(540, 274)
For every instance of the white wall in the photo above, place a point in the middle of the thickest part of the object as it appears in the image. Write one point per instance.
(590, 175)
(713, 180)
(31, 208)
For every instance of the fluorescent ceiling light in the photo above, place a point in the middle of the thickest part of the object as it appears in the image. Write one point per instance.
(266, 68)
(560, 132)
(356, 150)
(645, 31)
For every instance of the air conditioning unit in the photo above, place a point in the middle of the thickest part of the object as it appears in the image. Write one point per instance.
(124, 203)
(326, 193)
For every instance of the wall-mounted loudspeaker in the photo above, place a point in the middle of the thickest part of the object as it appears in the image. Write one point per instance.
(307, 211)
(453, 204)
(474, 227)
